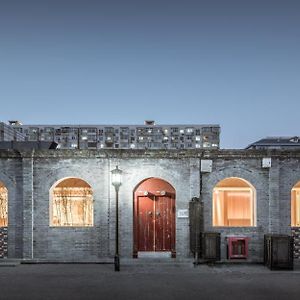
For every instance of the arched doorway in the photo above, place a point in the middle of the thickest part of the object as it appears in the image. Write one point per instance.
(154, 217)
(3, 219)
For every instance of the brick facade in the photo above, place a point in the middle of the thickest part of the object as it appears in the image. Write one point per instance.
(3, 242)
(296, 235)
(29, 176)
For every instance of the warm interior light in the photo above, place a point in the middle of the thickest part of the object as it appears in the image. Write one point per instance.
(72, 203)
(116, 177)
(295, 207)
(3, 206)
(233, 203)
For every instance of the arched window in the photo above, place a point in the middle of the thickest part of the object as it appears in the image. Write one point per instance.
(3, 205)
(295, 205)
(71, 203)
(234, 203)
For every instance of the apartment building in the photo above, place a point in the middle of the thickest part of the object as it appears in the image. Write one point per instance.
(147, 136)
(8, 133)
(292, 142)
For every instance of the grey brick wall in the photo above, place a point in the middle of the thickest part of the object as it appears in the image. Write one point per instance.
(3, 242)
(30, 175)
(296, 236)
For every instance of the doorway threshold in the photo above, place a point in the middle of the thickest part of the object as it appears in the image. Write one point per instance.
(154, 254)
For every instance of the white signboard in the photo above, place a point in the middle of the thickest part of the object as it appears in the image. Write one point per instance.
(182, 213)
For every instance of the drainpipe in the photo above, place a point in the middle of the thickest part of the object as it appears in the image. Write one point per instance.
(32, 203)
(198, 233)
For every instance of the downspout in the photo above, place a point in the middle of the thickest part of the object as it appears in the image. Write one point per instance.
(108, 206)
(32, 204)
(198, 233)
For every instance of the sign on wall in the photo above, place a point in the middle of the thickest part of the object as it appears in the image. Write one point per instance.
(182, 213)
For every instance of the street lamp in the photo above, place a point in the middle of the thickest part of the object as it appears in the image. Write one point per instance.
(116, 181)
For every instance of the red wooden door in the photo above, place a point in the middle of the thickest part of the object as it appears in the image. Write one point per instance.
(154, 217)
(155, 226)
(145, 228)
(164, 232)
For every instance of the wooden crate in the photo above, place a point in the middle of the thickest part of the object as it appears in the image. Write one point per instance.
(278, 251)
(210, 246)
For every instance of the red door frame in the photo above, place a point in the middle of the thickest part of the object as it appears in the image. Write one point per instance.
(154, 188)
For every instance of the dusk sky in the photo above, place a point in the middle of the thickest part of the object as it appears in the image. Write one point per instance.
(233, 63)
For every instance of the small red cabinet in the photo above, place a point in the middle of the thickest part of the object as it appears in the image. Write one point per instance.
(237, 247)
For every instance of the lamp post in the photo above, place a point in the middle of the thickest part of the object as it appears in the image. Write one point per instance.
(116, 181)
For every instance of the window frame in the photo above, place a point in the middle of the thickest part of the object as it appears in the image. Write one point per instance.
(51, 206)
(253, 205)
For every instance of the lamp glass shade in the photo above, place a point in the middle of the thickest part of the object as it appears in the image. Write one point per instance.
(116, 177)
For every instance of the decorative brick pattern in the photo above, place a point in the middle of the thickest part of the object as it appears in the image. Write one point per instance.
(296, 235)
(3, 242)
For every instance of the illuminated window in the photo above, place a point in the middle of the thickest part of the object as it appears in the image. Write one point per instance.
(295, 206)
(234, 203)
(3, 205)
(71, 203)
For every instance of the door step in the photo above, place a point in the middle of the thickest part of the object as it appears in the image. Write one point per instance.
(154, 254)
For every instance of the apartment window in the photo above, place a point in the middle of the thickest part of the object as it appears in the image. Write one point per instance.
(71, 203)
(3, 205)
(295, 205)
(234, 202)
(206, 129)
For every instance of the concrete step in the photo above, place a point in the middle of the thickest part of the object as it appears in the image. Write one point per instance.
(8, 262)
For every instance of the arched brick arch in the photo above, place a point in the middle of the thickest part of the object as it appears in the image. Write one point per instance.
(234, 203)
(71, 203)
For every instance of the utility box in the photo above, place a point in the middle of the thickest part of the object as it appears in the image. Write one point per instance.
(278, 251)
(206, 165)
(266, 162)
(237, 247)
(196, 225)
(210, 246)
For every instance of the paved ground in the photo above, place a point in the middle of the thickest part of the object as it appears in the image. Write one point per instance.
(142, 281)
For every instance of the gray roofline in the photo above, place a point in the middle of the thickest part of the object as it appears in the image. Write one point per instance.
(112, 125)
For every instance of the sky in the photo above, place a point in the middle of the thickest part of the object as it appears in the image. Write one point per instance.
(233, 63)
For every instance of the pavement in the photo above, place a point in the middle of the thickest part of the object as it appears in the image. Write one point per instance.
(146, 280)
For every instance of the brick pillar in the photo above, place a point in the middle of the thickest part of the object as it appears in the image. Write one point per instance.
(274, 197)
(28, 205)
